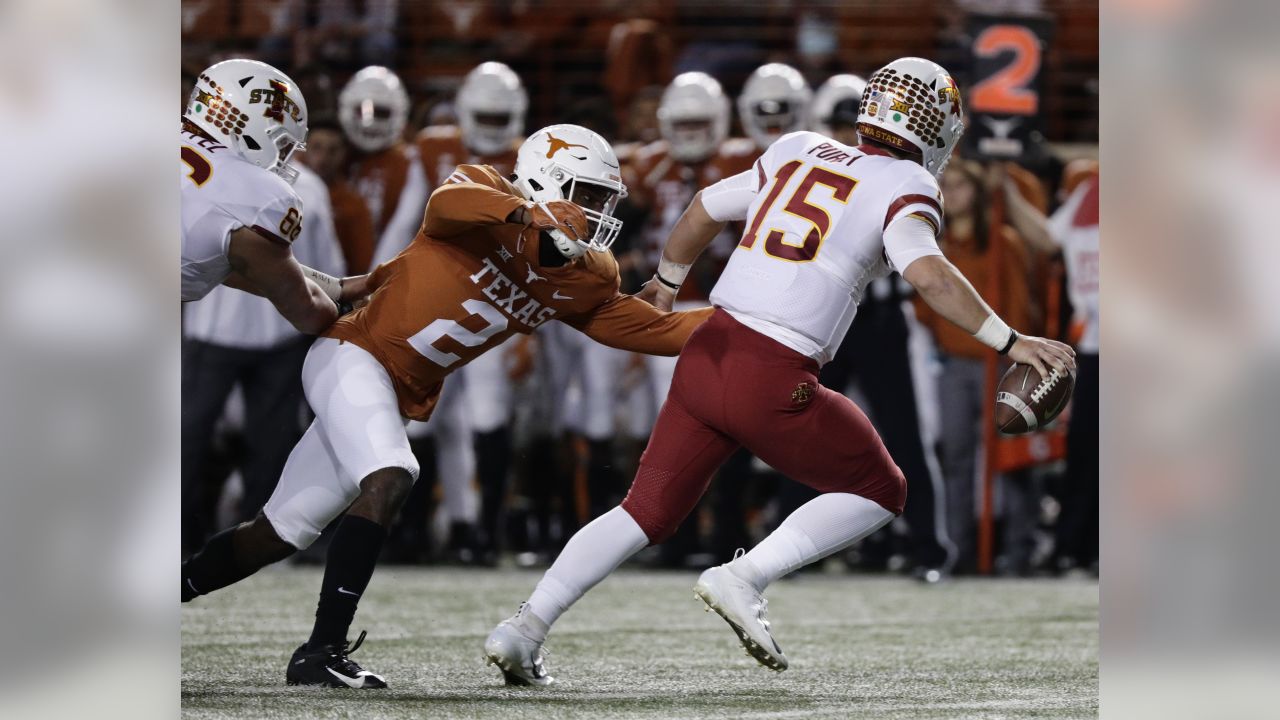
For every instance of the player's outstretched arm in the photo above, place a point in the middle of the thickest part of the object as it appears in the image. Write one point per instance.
(267, 268)
(951, 296)
(693, 232)
(628, 323)
(1028, 220)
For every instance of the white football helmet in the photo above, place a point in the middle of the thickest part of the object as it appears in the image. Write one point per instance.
(693, 116)
(491, 106)
(255, 109)
(913, 104)
(774, 102)
(570, 162)
(373, 108)
(836, 102)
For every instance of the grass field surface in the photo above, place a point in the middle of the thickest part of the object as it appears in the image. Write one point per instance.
(639, 646)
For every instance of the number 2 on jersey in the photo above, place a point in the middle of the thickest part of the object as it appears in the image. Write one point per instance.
(424, 340)
(798, 205)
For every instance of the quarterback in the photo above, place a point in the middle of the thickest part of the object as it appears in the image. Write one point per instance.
(243, 122)
(823, 220)
(492, 258)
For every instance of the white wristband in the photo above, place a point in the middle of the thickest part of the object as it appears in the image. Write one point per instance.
(331, 286)
(672, 273)
(994, 333)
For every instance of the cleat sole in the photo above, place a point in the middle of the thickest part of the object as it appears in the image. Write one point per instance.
(751, 646)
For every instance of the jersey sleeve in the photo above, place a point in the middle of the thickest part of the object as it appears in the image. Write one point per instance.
(279, 219)
(730, 198)
(629, 323)
(917, 195)
(907, 239)
(469, 196)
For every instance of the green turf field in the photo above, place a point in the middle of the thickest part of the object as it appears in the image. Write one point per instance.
(639, 646)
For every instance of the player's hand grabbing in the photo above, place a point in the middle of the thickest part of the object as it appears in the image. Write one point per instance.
(657, 295)
(559, 215)
(1042, 353)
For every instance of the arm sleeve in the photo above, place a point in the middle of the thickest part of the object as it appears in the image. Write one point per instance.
(628, 323)
(468, 197)
(908, 239)
(404, 223)
(730, 198)
(1059, 223)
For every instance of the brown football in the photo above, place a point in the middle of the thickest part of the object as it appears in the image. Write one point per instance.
(1026, 403)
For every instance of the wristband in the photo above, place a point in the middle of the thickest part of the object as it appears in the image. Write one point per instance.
(994, 333)
(1013, 338)
(331, 286)
(666, 283)
(672, 274)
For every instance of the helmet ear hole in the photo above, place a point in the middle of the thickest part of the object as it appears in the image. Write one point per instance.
(535, 185)
(253, 144)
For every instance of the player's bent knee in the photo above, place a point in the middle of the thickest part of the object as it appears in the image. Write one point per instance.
(297, 518)
(382, 492)
(657, 525)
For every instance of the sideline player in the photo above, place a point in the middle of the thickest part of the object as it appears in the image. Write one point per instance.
(480, 270)
(243, 122)
(826, 218)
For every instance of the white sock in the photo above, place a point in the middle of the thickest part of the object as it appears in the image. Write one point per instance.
(824, 525)
(590, 555)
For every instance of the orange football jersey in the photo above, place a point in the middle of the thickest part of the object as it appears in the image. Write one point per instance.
(441, 150)
(380, 179)
(666, 186)
(470, 280)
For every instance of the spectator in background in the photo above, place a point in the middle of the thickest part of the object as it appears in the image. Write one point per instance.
(234, 338)
(327, 153)
(332, 33)
(962, 391)
(639, 55)
(1073, 231)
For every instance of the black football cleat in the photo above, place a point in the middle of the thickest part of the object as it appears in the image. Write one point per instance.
(330, 666)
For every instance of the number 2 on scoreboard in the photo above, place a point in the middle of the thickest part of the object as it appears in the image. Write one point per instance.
(1006, 91)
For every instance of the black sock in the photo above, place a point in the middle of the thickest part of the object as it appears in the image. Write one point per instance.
(213, 568)
(353, 553)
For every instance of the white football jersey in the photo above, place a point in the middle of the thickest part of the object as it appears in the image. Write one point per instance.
(222, 192)
(815, 236)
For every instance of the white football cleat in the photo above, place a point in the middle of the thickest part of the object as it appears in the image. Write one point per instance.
(744, 609)
(519, 658)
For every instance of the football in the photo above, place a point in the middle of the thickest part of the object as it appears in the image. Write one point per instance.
(1026, 402)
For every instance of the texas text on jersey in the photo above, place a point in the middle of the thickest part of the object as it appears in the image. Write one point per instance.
(221, 192)
(471, 279)
(665, 186)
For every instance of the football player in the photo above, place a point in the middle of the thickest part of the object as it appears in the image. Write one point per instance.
(824, 219)
(491, 106)
(834, 111)
(373, 109)
(493, 258)
(243, 122)
(774, 101)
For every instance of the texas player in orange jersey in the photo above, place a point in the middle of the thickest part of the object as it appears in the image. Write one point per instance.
(493, 258)
(472, 417)
(373, 109)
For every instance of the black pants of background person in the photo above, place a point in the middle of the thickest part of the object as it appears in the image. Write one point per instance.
(1077, 532)
(271, 381)
(875, 354)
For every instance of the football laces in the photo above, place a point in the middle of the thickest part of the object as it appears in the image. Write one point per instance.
(1046, 384)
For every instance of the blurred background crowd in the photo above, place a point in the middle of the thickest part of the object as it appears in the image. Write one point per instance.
(539, 436)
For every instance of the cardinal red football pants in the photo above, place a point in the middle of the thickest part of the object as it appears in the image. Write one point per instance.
(735, 387)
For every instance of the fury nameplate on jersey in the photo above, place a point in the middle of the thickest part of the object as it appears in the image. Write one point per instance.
(530, 312)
